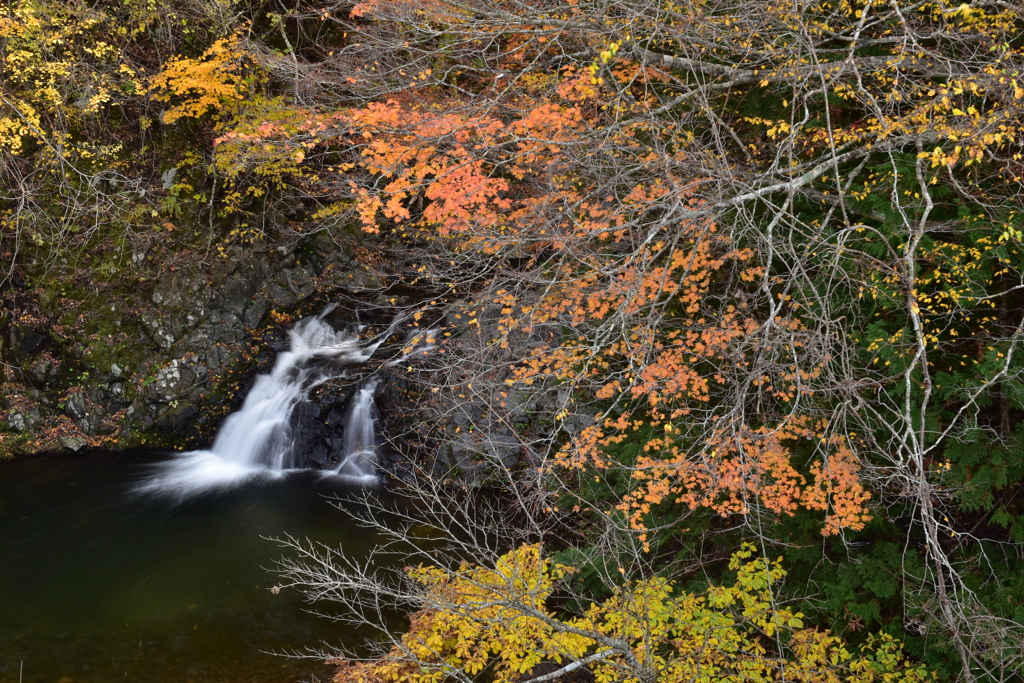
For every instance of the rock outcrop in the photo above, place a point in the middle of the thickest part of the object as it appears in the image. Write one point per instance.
(161, 362)
(484, 426)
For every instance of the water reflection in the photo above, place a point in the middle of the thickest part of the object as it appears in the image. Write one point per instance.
(97, 585)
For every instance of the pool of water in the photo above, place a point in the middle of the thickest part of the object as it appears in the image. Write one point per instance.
(98, 585)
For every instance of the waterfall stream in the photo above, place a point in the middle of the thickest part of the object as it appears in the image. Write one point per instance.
(360, 433)
(257, 441)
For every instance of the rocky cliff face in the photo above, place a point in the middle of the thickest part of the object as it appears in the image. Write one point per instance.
(159, 361)
(482, 427)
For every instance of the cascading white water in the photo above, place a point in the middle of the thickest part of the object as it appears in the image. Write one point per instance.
(360, 453)
(360, 434)
(256, 440)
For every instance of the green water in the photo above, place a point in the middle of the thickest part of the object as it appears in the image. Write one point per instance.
(98, 586)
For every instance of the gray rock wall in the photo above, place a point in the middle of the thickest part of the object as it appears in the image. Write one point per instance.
(157, 364)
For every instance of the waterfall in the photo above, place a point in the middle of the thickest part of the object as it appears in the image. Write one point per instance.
(360, 434)
(256, 440)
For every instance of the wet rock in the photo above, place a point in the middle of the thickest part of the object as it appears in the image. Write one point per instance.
(74, 407)
(115, 395)
(176, 418)
(280, 296)
(219, 356)
(504, 446)
(299, 281)
(312, 439)
(234, 293)
(74, 443)
(16, 421)
(254, 313)
(172, 382)
(360, 278)
(279, 345)
(45, 369)
(158, 331)
(33, 342)
(307, 410)
(180, 345)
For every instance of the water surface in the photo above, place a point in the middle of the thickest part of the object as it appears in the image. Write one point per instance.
(97, 585)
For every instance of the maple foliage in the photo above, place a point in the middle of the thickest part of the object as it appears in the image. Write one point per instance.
(716, 270)
(745, 268)
(476, 620)
(62, 69)
(53, 55)
(198, 86)
(449, 163)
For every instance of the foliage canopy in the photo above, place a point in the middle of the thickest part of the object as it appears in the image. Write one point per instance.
(755, 267)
